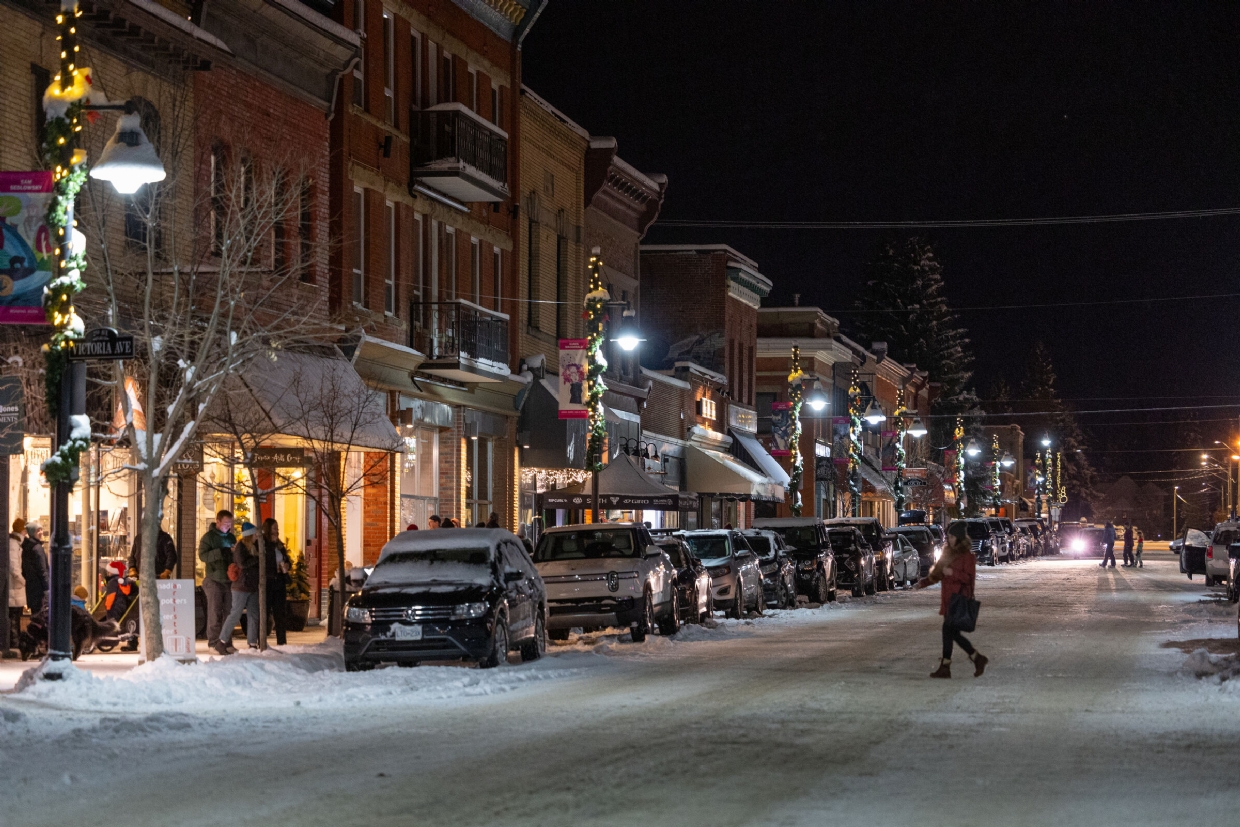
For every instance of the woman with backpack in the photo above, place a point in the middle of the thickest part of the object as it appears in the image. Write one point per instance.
(243, 572)
(957, 571)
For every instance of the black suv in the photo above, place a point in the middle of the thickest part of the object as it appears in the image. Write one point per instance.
(988, 543)
(779, 570)
(817, 567)
(858, 569)
(875, 535)
(470, 594)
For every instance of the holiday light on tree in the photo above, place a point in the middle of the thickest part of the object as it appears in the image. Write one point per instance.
(996, 490)
(958, 437)
(596, 363)
(854, 445)
(901, 430)
(795, 376)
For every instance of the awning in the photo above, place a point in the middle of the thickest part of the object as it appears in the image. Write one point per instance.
(321, 398)
(757, 456)
(875, 478)
(717, 473)
(622, 485)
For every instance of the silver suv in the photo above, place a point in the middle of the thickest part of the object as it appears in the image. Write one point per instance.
(735, 572)
(607, 574)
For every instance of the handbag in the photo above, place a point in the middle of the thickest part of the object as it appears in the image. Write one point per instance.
(962, 612)
(234, 572)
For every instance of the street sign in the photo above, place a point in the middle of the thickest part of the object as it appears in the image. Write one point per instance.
(915, 482)
(279, 457)
(102, 343)
(12, 415)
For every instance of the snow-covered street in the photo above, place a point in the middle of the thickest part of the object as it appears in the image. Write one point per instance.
(1092, 712)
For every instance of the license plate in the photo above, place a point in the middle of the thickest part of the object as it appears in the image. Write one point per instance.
(401, 631)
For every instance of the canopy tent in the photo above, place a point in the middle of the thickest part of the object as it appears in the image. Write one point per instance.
(720, 474)
(621, 485)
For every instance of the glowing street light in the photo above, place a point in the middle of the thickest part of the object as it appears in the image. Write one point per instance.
(128, 160)
(918, 429)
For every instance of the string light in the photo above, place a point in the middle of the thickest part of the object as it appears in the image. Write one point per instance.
(795, 376)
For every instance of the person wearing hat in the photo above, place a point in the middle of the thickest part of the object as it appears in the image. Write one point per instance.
(119, 592)
(17, 583)
(215, 552)
(34, 568)
(956, 569)
(244, 576)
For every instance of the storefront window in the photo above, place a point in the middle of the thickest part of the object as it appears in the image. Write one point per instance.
(419, 477)
(479, 466)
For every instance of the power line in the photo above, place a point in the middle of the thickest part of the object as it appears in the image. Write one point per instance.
(1044, 305)
(1077, 412)
(950, 223)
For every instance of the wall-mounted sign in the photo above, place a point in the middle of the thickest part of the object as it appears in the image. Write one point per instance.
(279, 457)
(12, 415)
(743, 419)
(573, 371)
(26, 248)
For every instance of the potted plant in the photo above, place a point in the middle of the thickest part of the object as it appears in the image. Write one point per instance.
(298, 594)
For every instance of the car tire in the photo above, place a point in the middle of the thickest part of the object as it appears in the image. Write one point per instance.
(499, 645)
(738, 605)
(536, 647)
(645, 623)
(710, 607)
(358, 666)
(669, 624)
(821, 593)
(558, 634)
(993, 560)
(1209, 581)
(790, 596)
(858, 589)
(880, 583)
(831, 590)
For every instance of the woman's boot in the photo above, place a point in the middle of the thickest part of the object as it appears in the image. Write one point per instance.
(944, 670)
(979, 663)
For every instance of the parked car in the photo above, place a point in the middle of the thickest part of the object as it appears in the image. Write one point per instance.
(1000, 540)
(1036, 534)
(940, 537)
(1085, 541)
(987, 543)
(905, 561)
(779, 572)
(1017, 545)
(1028, 541)
(807, 542)
(735, 579)
(472, 594)
(923, 540)
(1193, 545)
(1218, 564)
(692, 579)
(857, 568)
(607, 574)
(875, 535)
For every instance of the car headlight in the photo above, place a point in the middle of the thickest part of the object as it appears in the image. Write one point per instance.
(721, 571)
(938, 552)
(807, 565)
(466, 611)
(353, 614)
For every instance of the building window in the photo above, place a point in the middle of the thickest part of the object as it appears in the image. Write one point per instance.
(305, 232)
(563, 310)
(389, 276)
(359, 245)
(499, 108)
(389, 67)
(415, 76)
(447, 72)
(475, 270)
(473, 89)
(497, 272)
(279, 226)
(40, 79)
(479, 465)
(219, 200)
(495, 105)
(359, 69)
(447, 260)
(419, 276)
(419, 478)
(532, 273)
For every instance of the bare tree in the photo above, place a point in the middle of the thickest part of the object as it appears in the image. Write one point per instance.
(199, 276)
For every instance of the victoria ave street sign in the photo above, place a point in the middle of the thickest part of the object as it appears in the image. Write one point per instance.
(102, 343)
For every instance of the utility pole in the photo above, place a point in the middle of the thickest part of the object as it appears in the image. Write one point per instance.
(1175, 495)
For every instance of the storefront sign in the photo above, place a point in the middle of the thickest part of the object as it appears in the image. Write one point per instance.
(573, 372)
(12, 415)
(278, 457)
(781, 429)
(672, 501)
(26, 248)
(743, 419)
(101, 343)
(176, 617)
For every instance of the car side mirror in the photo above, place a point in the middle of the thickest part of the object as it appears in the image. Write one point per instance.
(513, 576)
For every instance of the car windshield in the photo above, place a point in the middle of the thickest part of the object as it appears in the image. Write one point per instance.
(977, 531)
(708, 546)
(803, 538)
(871, 532)
(673, 551)
(761, 545)
(844, 540)
(432, 565)
(916, 535)
(587, 544)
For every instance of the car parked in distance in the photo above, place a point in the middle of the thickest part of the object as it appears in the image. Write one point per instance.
(1016, 542)
(817, 566)
(923, 540)
(1039, 538)
(472, 594)
(984, 539)
(692, 579)
(735, 578)
(1000, 540)
(857, 568)
(1085, 541)
(1218, 565)
(1193, 545)
(905, 561)
(607, 574)
(875, 535)
(779, 573)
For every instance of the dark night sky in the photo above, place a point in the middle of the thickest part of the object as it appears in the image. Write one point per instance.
(894, 112)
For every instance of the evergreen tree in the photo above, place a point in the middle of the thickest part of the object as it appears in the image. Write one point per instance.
(903, 305)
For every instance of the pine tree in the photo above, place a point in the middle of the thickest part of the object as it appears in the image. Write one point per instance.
(299, 580)
(903, 305)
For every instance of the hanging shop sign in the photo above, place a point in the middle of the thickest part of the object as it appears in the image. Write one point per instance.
(102, 343)
(781, 429)
(12, 415)
(278, 457)
(26, 248)
(573, 370)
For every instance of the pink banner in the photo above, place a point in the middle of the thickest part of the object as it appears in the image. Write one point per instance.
(26, 248)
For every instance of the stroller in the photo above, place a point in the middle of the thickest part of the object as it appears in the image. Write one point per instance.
(87, 634)
(118, 606)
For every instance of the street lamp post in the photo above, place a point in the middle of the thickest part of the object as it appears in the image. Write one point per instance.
(958, 438)
(795, 377)
(854, 445)
(995, 481)
(901, 430)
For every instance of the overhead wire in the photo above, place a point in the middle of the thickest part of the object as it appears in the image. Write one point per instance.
(1037, 221)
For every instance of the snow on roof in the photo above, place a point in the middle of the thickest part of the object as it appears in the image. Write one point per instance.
(435, 538)
(553, 112)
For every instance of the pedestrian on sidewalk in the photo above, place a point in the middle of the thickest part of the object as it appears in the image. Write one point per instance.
(1108, 539)
(493, 521)
(1140, 548)
(215, 552)
(17, 583)
(956, 569)
(434, 522)
(244, 576)
(165, 555)
(1130, 561)
(278, 566)
(34, 568)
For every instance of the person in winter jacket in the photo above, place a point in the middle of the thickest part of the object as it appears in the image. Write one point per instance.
(17, 583)
(244, 590)
(493, 521)
(1108, 539)
(1130, 560)
(278, 566)
(956, 569)
(1140, 548)
(215, 551)
(165, 556)
(119, 592)
(34, 568)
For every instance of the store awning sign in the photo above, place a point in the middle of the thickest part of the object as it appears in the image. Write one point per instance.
(12, 415)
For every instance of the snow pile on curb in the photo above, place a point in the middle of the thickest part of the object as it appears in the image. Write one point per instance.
(307, 676)
(1202, 664)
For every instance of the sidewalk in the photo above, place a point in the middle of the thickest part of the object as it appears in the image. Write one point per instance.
(116, 662)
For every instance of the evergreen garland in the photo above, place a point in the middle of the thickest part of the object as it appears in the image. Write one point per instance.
(996, 490)
(854, 445)
(595, 315)
(901, 430)
(794, 444)
(959, 467)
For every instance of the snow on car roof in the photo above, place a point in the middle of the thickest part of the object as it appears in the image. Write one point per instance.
(434, 538)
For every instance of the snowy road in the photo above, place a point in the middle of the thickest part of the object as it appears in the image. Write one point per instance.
(1086, 716)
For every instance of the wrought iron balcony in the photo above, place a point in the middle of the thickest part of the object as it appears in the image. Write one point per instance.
(459, 153)
(462, 341)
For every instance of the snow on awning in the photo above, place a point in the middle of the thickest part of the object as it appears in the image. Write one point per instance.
(760, 458)
(875, 478)
(716, 473)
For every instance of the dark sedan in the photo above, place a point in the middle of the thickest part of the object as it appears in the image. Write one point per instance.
(692, 580)
(779, 571)
(855, 559)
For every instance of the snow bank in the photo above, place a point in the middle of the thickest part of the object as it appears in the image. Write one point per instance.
(306, 676)
(1202, 664)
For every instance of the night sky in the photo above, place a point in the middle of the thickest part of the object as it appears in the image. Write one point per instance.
(932, 111)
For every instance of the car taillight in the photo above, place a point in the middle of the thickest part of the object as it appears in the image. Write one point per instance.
(1209, 552)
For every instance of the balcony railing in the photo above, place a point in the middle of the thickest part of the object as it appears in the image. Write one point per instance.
(459, 152)
(460, 338)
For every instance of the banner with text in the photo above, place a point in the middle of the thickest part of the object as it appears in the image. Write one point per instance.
(26, 247)
(573, 372)
(781, 429)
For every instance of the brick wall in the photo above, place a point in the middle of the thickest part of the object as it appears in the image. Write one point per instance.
(378, 508)
(668, 410)
(683, 294)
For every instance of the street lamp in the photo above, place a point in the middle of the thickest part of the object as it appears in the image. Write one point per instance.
(817, 400)
(627, 334)
(918, 429)
(973, 449)
(1007, 461)
(128, 160)
(1046, 441)
(874, 414)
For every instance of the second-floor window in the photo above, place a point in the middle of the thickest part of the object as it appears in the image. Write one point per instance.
(473, 89)
(497, 271)
(305, 232)
(415, 76)
(359, 71)
(219, 198)
(359, 246)
(447, 78)
(495, 105)
(389, 67)
(389, 274)
(563, 309)
(475, 271)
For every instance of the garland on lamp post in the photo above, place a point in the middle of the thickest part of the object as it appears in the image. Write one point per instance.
(596, 363)
(1039, 482)
(901, 429)
(958, 437)
(794, 443)
(996, 491)
(1060, 493)
(854, 445)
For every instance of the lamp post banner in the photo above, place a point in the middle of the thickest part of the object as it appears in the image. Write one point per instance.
(573, 369)
(781, 429)
(26, 248)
